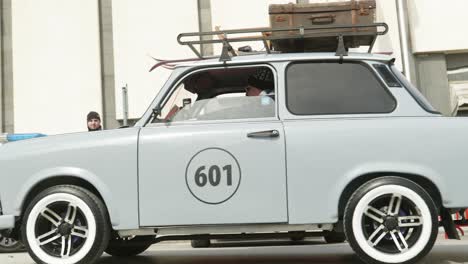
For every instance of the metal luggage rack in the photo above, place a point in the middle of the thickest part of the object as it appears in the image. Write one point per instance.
(266, 34)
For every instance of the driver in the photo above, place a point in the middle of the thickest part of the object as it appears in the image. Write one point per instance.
(260, 83)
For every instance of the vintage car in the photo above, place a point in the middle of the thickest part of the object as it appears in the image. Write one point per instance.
(341, 146)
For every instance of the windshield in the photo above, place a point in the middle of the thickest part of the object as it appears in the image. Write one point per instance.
(220, 94)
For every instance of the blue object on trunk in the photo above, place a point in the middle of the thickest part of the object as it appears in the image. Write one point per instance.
(16, 137)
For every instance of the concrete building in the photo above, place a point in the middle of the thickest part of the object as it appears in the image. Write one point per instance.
(61, 59)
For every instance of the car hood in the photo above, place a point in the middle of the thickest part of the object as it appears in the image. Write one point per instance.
(58, 143)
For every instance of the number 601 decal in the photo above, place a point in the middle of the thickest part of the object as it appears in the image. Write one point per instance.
(213, 175)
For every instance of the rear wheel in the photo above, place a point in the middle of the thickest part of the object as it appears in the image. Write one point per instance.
(66, 225)
(391, 220)
(128, 247)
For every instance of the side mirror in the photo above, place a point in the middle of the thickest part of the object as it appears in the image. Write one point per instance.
(156, 111)
(154, 115)
(186, 101)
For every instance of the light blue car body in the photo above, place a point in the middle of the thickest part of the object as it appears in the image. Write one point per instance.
(299, 177)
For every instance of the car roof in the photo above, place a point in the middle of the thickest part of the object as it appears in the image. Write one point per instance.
(263, 58)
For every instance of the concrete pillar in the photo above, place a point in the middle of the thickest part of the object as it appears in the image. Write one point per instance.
(204, 23)
(107, 65)
(6, 68)
(407, 57)
(433, 81)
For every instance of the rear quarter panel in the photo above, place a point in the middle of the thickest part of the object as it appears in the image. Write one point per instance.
(324, 155)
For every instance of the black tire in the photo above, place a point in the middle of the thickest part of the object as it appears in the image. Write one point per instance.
(391, 220)
(200, 243)
(120, 247)
(332, 237)
(9, 245)
(77, 215)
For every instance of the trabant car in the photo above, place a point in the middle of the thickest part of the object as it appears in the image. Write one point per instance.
(341, 147)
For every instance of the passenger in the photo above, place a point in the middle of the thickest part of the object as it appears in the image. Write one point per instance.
(260, 83)
(93, 121)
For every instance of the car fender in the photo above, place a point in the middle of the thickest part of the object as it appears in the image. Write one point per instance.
(80, 173)
(389, 169)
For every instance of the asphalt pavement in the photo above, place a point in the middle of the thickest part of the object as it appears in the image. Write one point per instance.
(271, 252)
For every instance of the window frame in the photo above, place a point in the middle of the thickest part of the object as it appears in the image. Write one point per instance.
(173, 87)
(415, 93)
(366, 65)
(384, 72)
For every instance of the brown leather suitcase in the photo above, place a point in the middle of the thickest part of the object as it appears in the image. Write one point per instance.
(322, 14)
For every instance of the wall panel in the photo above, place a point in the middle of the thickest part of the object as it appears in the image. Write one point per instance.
(56, 64)
(142, 31)
(438, 25)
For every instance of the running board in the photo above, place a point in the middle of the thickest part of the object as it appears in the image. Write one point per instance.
(224, 229)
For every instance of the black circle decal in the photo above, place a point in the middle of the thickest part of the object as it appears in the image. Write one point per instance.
(213, 175)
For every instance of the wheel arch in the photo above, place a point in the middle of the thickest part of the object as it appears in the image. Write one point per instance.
(421, 180)
(85, 180)
(59, 180)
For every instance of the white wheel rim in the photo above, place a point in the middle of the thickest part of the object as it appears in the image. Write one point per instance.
(422, 221)
(87, 233)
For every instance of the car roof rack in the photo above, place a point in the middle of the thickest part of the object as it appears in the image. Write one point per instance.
(267, 34)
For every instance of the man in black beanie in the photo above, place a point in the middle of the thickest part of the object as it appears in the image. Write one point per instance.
(94, 121)
(260, 83)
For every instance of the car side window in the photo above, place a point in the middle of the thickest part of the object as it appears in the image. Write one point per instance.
(176, 101)
(220, 95)
(240, 107)
(322, 88)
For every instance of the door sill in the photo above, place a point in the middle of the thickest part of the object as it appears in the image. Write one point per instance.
(224, 229)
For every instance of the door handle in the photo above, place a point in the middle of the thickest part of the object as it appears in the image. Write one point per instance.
(264, 134)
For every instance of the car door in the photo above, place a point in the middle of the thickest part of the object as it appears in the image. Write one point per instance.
(215, 170)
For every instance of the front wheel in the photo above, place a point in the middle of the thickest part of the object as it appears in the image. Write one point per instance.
(391, 220)
(66, 225)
